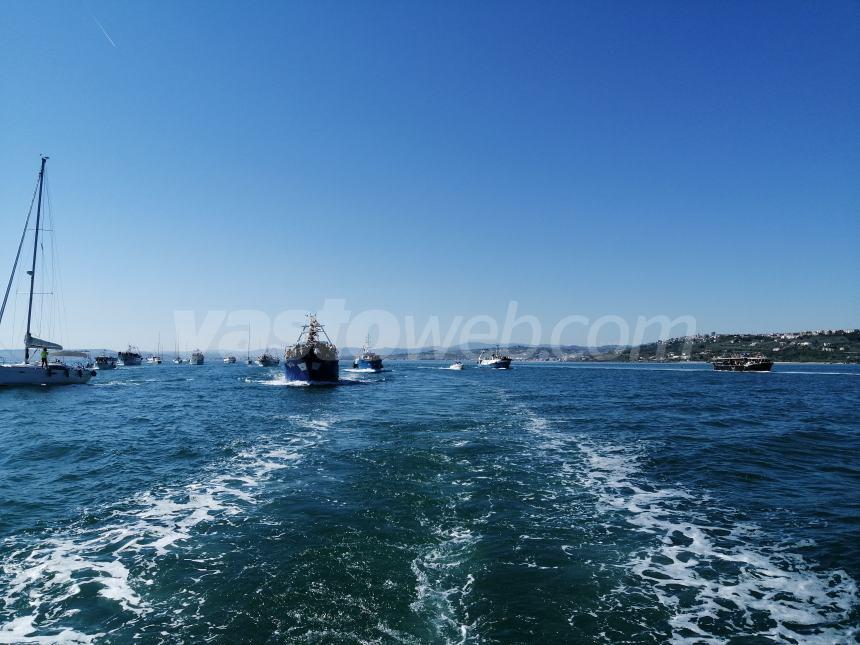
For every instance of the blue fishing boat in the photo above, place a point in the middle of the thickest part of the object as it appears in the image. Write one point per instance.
(313, 358)
(367, 360)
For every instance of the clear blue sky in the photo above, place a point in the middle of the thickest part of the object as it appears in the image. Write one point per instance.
(428, 158)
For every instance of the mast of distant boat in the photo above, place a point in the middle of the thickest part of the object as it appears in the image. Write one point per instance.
(32, 270)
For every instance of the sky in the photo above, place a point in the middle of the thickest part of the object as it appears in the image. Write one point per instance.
(436, 160)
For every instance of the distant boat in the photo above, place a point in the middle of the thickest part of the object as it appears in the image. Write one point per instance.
(367, 360)
(53, 372)
(176, 357)
(313, 357)
(178, 360)
(742, 363)
(229, 359)
(248, 360)
(196, 357)
(156, 359)
(130, 356)
(496, 360)
(105, 362)
(268, 360)
(457, 365)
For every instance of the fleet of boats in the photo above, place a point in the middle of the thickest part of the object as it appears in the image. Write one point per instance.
(313, 358)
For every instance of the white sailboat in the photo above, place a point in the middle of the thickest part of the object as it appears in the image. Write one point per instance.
(51, 371)
(156, 358)
(248, 360)
(176, 357)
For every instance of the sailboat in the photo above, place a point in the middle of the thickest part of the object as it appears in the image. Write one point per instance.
(248, 360)
(55, 371)
(176, 357)
(156, 359)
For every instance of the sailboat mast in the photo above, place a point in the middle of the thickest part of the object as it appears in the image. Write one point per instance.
(32, 271)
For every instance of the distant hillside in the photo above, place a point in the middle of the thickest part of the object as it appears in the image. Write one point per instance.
(517, 352)
(823, 346)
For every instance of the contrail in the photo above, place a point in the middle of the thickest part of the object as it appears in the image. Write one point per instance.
(104, 31)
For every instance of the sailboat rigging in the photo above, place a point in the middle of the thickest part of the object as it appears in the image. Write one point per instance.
(54, 372)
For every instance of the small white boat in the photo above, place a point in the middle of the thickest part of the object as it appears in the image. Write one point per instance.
(178, 360)
(156, 359)
(229, 360)
(456, 366)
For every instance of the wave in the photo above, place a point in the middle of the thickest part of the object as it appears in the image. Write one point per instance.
(716, 575)
(441, 590)
(115, 552)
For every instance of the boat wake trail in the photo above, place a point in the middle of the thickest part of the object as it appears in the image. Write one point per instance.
(715, 576)
(441, 589)
(281, 381)
(56, 588)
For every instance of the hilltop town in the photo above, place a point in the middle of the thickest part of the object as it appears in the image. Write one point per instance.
(818, 346)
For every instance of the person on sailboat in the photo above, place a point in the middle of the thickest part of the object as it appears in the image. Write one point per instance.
(44, 356)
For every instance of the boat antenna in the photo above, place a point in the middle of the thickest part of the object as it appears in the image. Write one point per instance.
(32, 270)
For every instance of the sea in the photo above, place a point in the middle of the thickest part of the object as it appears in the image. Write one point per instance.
(548, 503)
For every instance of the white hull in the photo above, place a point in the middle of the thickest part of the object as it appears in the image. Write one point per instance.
(37, 375)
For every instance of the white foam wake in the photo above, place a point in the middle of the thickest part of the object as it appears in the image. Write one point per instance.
(39, 579)
(714, 575)
(441, 589)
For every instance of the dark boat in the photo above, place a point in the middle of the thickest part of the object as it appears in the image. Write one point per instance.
(313, 358)
(496, 360)
(105, 362)
(367, 360)
(742, 363)
(131, 356)
(268, 360)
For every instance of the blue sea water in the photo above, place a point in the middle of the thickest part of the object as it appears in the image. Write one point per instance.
(542, 504)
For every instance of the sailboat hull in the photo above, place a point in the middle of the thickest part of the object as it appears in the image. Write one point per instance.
(51, 375)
